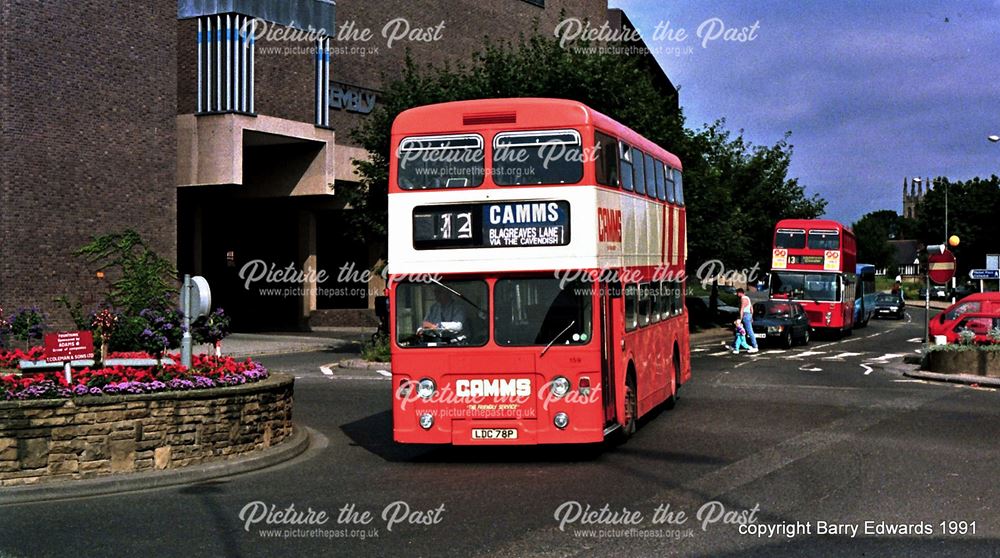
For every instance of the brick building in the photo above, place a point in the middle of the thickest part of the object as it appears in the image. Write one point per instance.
(213, 129)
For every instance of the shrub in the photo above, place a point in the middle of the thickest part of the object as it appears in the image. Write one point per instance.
(162, 331)
(994, 335)
(126, 335)
(145, 280)
(4, 328)
(376, 350)
(28, 324)
(966, 337)
(212, 328)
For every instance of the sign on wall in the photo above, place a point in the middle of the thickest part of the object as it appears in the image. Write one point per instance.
(352, 98)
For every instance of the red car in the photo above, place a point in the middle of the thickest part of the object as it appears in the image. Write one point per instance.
(977, 312)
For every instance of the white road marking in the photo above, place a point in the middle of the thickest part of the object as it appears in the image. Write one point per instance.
(698, 349)
(868, 369)
(813, 369)
(841, 355)
(884, 358)
(720, 353)
(808, 353)
(915, 340)
(385, 373)
(326, 370)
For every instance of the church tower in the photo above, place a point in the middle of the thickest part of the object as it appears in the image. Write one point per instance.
(912, 194)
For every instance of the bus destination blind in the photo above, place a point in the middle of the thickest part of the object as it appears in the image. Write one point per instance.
(491, 225)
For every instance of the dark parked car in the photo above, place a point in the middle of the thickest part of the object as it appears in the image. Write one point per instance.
(781, 321)
(889, 305)
(700, 315)
(938, 292)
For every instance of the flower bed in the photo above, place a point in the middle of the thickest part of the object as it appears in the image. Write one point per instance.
(205, 372)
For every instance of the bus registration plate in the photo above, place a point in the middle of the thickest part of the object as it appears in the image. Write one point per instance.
(494, 433)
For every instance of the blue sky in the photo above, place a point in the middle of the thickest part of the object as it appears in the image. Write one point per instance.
(871, 91)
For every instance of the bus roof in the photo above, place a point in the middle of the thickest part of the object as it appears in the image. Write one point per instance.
(811, 224)
(527, 113)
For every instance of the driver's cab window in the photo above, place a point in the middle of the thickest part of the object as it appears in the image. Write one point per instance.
(449, 313)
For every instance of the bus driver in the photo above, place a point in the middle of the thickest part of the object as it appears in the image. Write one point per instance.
(445, 314)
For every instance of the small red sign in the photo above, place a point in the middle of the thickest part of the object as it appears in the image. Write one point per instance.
(69, 345)
(941, 267)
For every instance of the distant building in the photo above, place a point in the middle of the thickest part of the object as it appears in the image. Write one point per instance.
(912, 194)
(905, 252)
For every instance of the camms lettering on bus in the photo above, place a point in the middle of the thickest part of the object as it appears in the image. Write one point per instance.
(609, 224)
(520, 387)
(524, 213)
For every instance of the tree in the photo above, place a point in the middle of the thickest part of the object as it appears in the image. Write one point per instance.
(734, 191)
(973, 206)
(873, 231)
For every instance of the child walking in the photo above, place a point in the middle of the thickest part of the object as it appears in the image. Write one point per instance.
(740, 337)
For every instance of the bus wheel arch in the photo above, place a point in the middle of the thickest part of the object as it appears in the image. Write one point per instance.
(675, 363)
(631, 417)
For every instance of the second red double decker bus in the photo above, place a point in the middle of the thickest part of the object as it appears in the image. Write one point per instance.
(536, 257)
(813, 263)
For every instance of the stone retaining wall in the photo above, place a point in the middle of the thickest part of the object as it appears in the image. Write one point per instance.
(84, 437)
(975, 362)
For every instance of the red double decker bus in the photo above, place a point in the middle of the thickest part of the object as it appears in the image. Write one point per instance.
(813, 262)
(536, 257)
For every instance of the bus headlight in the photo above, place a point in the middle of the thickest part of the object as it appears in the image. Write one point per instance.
(426, 421)
(561, 420)
(560, 386)
(426, 388)
(829, 317)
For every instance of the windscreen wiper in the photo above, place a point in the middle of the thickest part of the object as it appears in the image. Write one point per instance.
(556, 338)
(456, 293)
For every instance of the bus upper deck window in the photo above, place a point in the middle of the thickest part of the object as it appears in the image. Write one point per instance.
(679, 186)
(638, 171)
(790, 238)
(626, 166)
(824, 239)
(432, 162)
(537, 157)
(670, 184)
(606, 165)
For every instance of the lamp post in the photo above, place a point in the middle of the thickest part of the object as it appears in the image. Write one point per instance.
(927, 303)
